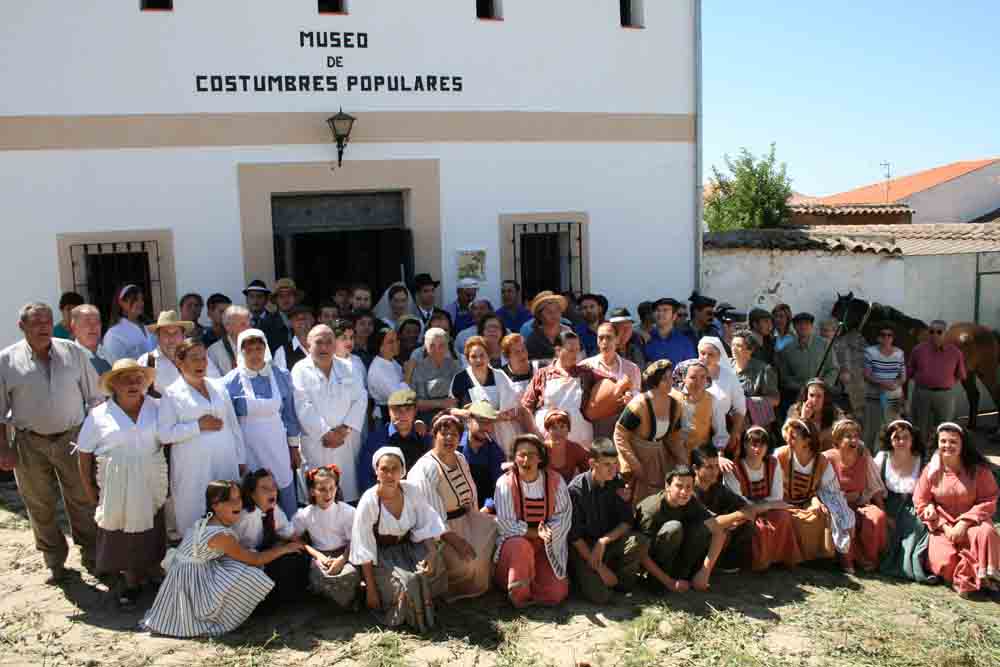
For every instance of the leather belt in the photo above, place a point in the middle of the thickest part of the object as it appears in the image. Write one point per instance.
(460, 512)
(51, 437)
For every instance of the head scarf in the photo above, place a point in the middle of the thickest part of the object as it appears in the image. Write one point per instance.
(241, 361)
(390, 451)
(714, 341)
(383, 309)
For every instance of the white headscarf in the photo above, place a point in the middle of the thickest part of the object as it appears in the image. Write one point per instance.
(241, 361)
(724, 363)
(391, 451)
(383, 309)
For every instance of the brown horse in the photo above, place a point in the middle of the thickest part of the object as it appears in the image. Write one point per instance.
(851, 312)
(981, 349)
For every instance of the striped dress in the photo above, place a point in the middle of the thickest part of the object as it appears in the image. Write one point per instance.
(205, 592)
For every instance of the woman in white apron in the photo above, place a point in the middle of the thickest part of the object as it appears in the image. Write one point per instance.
(512, 381)
(478, 382)
(564, 385)
(206, 443)
(331, 403)
(264, 402)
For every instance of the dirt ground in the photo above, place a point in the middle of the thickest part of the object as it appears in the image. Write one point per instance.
(810, 616)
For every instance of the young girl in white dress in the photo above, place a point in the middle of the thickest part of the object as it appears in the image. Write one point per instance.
(213, 584)
(325, 525)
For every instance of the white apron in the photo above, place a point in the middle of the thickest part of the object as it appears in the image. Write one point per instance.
(208, 456)
(566, 393)
(338, 406)
(478, 392)
(264, 433)
(510, 394)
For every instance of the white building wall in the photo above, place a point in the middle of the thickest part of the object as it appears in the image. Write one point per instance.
(941, 287)
(807, 281)
(194, 193)
(959, 200)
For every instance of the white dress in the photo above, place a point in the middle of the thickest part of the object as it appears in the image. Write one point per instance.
(131, 467)
(167, 372)
(323, 403)
(197, 458)
(205, 593)
(250, 528)
(127, 340)
(729, 398)
(328, 529)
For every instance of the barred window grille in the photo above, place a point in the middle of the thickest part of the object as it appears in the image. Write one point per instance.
(548, 256)
(101, 268)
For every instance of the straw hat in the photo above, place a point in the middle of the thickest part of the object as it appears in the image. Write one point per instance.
(169, 318)
(289, 284)
(121, 367)
(547, 297)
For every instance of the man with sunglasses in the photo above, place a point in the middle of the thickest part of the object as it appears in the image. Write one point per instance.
(936, 366)
(885, 375)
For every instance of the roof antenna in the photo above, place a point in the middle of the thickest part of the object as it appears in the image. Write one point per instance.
(887, 166)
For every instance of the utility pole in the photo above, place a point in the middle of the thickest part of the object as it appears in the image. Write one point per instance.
(887, 167)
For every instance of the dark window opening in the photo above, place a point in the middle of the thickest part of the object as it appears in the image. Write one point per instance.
(156, 5)
(101, 268)
(631, 13)
(332, 6)
(489, 9)
(548, 256)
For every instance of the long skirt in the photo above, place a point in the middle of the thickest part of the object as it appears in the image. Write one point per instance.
(774, 541)
(906, 553)
(469, 579)
(342, 588)
(812, 532)
(967, 565)
(118, 551)
(870, 535)
(524, 572)
(656, 460)
(408, 595)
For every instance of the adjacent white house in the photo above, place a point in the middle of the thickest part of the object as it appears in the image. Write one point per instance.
(184, 145)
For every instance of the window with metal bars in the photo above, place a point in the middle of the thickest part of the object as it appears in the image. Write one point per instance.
(631, 13)
(548, 256)
(156, 5)
(332, 6)
(101, 268)
(489, 9)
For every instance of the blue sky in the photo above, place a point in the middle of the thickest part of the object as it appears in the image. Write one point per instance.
(844, 85)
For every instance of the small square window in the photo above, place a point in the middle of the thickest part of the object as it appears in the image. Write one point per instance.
(632, 14)
(489, 9)
(332, 6)
(156, 5)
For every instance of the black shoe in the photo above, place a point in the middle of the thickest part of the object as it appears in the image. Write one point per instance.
(57, 575)
(128, 597)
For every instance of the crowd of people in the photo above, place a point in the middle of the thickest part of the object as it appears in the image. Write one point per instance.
(395, 454)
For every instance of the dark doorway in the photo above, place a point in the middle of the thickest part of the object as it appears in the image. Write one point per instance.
(326, 240)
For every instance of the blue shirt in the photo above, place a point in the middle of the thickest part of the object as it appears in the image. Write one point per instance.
(262, 389)
(588, 339)
(413, 448)
(514, 320)
(676, 347)
(485, 467)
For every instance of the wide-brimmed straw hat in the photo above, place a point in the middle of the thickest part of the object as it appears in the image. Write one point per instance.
(287, 283)
(123, 366)
(170, 318)
(543, 298)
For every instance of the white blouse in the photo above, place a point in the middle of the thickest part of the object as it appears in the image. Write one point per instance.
(131, 467)
(329, 529)
(384, 377)
(167, 372)
(777, 493)
(250, 528)
(417, 517)
(559, 523)
(127, 340)
(426, 473)
(894, 481)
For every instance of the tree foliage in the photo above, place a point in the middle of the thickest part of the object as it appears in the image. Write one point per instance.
(753, 195)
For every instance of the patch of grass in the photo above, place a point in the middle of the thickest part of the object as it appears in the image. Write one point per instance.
(386, 650)
(511, 652)
(249, 655)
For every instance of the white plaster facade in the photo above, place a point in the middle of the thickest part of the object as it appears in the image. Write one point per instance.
(961, 199)
(560, 57)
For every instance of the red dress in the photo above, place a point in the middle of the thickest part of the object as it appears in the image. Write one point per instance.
(961, 497)
(774, 535)
(871, 524)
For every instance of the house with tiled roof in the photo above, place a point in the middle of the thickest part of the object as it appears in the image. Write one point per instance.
(953, 193)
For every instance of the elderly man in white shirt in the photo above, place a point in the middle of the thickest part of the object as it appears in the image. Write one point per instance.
(331, 402)
(169, 331)
(222, 353)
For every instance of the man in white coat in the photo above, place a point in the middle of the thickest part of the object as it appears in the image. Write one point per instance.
(222, 353)
(331, 402)
(169, 331)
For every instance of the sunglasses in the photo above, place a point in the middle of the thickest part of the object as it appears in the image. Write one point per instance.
(937, 332)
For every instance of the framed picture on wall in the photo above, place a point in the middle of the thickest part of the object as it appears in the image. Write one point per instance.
(471, 264)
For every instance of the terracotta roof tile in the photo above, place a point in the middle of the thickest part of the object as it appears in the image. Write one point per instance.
(799, 239)
(904, 186)
(849, 209)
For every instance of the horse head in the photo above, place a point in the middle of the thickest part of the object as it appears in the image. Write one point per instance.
(849, 310)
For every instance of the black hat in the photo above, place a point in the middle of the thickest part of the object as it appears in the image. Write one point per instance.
(620, 315)
(758, 314)
(803, 317)
(599, 298)
(667, 301)
(700, 301)
(300, 309)
(422, 279)
(256, 286)
(731, 315)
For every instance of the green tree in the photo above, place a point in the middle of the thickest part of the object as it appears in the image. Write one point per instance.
(753, 195)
